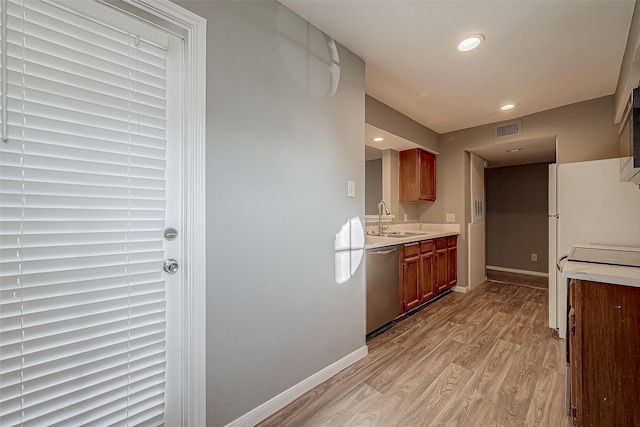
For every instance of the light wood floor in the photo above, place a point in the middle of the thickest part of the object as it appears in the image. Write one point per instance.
(485, 358)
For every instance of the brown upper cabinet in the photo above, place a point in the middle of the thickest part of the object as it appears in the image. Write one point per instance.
(417, 176)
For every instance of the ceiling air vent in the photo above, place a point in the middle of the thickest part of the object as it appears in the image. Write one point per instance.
(508, 130)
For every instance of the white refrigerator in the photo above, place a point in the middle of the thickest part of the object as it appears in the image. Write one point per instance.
(593, 207)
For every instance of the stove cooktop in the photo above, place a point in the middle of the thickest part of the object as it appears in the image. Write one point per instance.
(613, 255)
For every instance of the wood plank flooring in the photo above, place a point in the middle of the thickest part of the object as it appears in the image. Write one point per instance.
(485, 358)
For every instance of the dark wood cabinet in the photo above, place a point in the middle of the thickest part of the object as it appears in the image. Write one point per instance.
(442, 283)
(410, 280)
(417, 175)
(604, 354)
(446, 261)
(452, 261)
(427, 258)
(427, 268)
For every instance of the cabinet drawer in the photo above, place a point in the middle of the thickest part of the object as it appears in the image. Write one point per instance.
(411, 250)
(426, 246)
(451, 241)
(441, 243)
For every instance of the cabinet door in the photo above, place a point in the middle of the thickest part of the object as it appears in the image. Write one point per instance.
(605, 354)
(427, 288)
(427, 172)
(409, 175)
(442, 283)
(411, 276)
(417, 175)
(452, 266)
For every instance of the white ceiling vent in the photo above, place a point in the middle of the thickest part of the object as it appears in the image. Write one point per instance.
(508, 129)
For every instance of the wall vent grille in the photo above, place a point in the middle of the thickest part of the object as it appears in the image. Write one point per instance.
(508, 129)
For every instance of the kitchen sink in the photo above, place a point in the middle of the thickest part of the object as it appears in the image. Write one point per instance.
(400, 234)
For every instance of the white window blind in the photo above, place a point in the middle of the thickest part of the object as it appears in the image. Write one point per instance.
(82, 209)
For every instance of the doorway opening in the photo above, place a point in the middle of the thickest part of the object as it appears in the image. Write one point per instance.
(507, 211)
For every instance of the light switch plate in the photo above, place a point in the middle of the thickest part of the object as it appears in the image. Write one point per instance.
(351, 189)
(451, 217)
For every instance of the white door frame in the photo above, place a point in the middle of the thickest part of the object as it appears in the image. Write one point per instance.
(553, 246)
(476, 250)
(194, 31)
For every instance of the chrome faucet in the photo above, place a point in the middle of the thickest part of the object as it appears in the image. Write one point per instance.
(386, 212)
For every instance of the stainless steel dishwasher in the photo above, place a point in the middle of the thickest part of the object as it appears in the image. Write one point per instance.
(383, 296)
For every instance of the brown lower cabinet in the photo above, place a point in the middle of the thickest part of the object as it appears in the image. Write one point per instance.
(446, 263)
(427, 269)
(604, 354)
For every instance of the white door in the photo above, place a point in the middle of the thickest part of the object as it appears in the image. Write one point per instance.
(89, 164)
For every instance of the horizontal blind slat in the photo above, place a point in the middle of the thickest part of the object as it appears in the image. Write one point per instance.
(90, 97)
(75, 21)
(144, 134)
(63, 110)
(153, 169)
(105, 237)
(144, 95)
(79, 274)
(15, 172)
(93, 49)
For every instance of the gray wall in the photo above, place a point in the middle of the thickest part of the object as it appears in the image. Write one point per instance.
(278, 160)
(516, 219)
(373, 189)
(585, 131)
(386, 118)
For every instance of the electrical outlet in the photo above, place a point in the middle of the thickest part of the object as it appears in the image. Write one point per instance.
(351, 189)
(405, 217)
(451, 217)
(534, 257)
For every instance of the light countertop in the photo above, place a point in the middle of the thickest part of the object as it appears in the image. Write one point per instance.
(428, 232)
(603, 273)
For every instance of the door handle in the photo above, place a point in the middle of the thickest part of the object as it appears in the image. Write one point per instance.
(170, 265)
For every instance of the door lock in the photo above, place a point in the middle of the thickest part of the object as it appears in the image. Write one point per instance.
(170, 233)
(170, 265)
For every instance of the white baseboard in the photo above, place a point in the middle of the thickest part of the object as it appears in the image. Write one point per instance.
(272, 406)
(461, 289)
(513, 270)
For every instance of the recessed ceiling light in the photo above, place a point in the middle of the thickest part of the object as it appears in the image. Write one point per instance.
(514, 150)
(377, 139)
(508, 106)
(470, 42)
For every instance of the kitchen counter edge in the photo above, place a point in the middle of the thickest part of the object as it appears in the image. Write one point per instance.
(382, 242)
(603, 273)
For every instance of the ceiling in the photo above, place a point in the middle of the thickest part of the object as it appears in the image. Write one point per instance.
(538, 54)
(522, 152)
(513, 152)
(373, 150)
